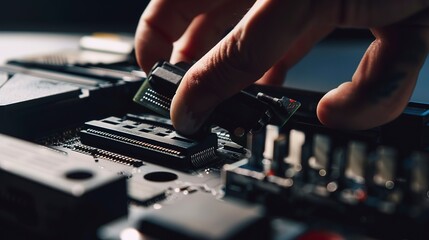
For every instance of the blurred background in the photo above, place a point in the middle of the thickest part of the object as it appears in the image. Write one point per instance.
(71, 15)
(91, 15)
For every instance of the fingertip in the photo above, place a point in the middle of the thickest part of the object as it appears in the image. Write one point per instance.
(151, 46)
(329, 113)
(181, 117)
(138, 43)
(322, 112)
(177, 115)
(348, 109)
(189, 111)
(341, 108)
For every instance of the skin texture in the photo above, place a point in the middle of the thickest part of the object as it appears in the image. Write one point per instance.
(268, 37)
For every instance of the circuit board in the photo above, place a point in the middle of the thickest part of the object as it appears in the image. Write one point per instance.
(101, 169)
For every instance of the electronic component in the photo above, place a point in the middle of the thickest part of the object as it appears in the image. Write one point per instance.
(233, 147)
(200, 216)
(52, 102)
(143, 194)
(158, 90)
(272, 132)
(47, 194)
(99, 73)
(151, 142)
(256, 144)
(240, 114)
(311, 181)
(338, 181)
(279, 155)
(418, 177)
(23, 91)
(103, 154)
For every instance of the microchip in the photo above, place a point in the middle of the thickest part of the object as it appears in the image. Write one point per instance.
(151, 140)
(158, 90)
(240, 114)
(201, 216)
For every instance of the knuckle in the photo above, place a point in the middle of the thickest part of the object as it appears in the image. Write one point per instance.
(225, 71)
(241, 58)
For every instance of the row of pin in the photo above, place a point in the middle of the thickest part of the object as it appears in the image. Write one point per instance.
(167, 99)
(200, 158)
(67, 137)
(136, 142)
(155, 102)
(157, 97)
(114, 157)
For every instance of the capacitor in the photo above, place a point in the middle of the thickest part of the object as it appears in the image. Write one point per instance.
(385, 166)
(272, 132)
(296, 140)
(256, 144)
(419, 182)
(280, 150)
(321, 154)
(356, 161)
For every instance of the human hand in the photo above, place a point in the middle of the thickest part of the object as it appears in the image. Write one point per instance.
(270, 38)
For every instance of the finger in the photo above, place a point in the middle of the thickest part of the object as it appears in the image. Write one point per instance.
(276, 75)
(241, 58)
(207, 29)
(383, 83)
(302, 45)
(162, 23)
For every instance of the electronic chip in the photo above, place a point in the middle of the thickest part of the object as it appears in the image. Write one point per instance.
(150, 141)
(240, 114)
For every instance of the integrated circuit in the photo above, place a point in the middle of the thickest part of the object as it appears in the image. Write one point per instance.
(150, 139)
(242, 113)
(157, 92)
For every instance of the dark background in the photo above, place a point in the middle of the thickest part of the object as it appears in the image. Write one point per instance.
(90, 16)
(71, 15)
